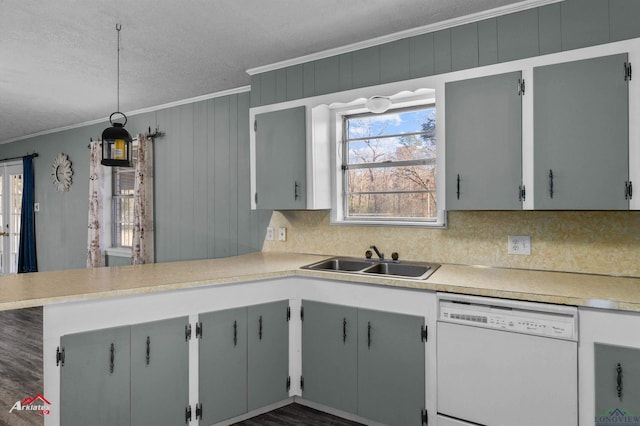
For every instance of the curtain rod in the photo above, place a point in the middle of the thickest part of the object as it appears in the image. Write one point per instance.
(34, 155)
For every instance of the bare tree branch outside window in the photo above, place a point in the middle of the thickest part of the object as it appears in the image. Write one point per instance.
(389, 165)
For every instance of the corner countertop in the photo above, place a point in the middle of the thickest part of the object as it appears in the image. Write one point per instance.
(42, 288)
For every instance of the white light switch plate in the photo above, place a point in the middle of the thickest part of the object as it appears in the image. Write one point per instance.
(519, 244)
(282, 234)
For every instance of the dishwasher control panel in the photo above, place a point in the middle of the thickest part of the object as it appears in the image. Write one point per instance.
(519, 319)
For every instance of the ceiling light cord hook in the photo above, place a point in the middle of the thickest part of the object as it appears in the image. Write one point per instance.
(118, 28)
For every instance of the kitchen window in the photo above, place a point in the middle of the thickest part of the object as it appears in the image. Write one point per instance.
(389, 167)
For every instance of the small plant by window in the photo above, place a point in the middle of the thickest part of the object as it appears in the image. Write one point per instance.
(389, 166)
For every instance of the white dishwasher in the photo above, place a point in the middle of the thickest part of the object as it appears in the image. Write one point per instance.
(505, 363)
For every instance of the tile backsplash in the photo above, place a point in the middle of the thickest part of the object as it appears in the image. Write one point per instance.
(588, 242)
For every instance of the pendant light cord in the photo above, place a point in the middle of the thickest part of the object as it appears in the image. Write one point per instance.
(118, 28)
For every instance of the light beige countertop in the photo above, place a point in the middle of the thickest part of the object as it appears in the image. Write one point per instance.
(42, 288)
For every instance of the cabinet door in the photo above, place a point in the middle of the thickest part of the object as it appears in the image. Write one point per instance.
(330, 355)
(391, 367)
(617, 379)
(484, 143)
(223, 365)
(94, 380)
(581, 135)
(159, 372)
(268, 354)
(281, 161)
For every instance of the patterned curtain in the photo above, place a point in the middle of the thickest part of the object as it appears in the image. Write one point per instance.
(143, 240)
(95, 238)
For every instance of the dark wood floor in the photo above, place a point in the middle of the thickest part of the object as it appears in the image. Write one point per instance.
(20, 364)
(296, 415)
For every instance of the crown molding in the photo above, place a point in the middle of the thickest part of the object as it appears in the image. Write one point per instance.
(475, 17)
(134, 112)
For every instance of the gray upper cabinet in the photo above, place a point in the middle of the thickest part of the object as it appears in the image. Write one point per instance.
(281, 172)
(94, 378)
(484, 143)
(330, 355)
(581, 135)
(617, 379)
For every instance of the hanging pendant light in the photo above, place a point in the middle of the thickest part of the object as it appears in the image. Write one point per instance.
(116, 141)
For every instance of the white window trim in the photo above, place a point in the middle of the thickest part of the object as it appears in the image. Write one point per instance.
(421, 97)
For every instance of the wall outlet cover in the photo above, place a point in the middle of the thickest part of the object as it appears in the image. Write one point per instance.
(282, 234)
(519, 244)
(270, 233)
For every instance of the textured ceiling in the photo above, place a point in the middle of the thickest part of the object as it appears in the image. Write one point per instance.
(58, 58)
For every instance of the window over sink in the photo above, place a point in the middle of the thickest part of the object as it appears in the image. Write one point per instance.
(387, 166)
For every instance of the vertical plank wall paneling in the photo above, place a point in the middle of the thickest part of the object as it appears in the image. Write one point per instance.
(203, 192)
(221, 187)
(200, 182)
(567, 25)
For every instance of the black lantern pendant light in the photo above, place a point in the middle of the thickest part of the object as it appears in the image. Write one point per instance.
(116, 141)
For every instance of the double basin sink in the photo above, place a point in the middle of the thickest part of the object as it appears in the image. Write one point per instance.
(395, 269)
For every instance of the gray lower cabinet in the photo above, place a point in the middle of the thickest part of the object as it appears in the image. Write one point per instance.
(617, 380)
(159, 372)
(370, 363)
(244, 360)
(484, 143)
(330, 355)
(281, 158)
(223, 365)
(95, 378)
(581, 135)
(134, 375)
(391, 367)
(268, 353)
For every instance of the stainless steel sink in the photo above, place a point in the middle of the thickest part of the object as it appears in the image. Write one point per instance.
(340, 264)
(398, 269)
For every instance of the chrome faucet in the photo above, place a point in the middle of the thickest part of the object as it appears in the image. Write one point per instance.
(380, 255)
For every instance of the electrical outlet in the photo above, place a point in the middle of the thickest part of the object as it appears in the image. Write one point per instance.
(270, 233)
(282, 234)
(519, 244)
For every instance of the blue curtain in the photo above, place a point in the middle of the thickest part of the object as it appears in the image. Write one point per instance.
(27, 259)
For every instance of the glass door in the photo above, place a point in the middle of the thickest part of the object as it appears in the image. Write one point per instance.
(10, 209)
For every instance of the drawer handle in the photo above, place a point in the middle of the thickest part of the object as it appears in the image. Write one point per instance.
(235, 333)
(458, 187)
(296, 187)
(369, 334)
(148, 356)
(112, 358)
(344, 330)
(551, 183)
(260, 327)
(619, 381)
